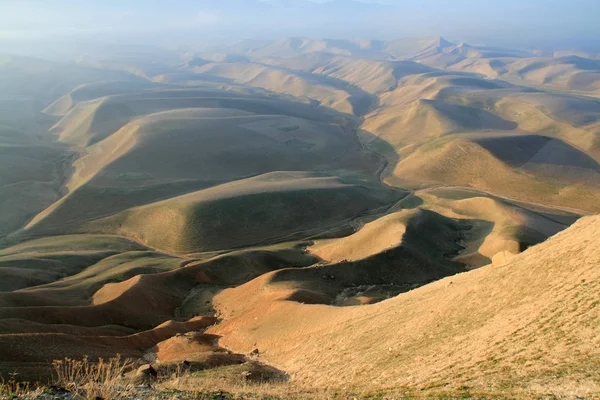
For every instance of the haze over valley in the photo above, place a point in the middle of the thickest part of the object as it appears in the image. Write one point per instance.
(302, 216)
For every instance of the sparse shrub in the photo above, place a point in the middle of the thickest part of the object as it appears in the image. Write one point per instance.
(13, 389)
(92, 380)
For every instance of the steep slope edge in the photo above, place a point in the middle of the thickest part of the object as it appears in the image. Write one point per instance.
(530, 326)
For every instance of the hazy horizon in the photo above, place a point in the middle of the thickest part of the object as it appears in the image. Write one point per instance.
(289, 199)
(532, 24)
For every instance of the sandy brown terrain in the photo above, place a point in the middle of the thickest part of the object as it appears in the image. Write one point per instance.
(331, 218)
(528, 325)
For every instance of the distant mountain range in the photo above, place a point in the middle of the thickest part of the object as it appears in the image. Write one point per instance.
(189, 22)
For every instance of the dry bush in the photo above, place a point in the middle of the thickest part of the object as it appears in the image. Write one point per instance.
(172, 372)
(92, 380)
(13, 389)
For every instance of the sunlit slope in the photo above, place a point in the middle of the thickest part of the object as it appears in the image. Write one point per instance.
(570, 118)
(91, 121)
(51, 259)
(90, 274)
(267, 209)
(578, 73)
(573, 120)
(546, 144)
(170, 153)
(370, 49)
(434, 104)
(373, 238)
(544, 157)
(491, 227)
(32, 168)
(110, 290)
(426, 105)
(425, 119)
(529, 175)
(280, 81)
(568, 73)
(372, 76)
(498, 228)
(401, 49)
(417, 48)
(48, 80)
(437, 103)
(479, 59)
(537, 313)
(202, 111)
(294, 46)
(422, 254)
(95, 90)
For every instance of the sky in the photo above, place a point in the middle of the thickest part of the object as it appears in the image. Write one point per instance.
(547, 24)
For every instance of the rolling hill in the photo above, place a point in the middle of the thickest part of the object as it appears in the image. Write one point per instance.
(464, 162)
(467, 333)
(249, 212)
(182, 150)
(405, 214)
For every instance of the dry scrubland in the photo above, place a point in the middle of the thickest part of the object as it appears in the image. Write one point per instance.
(303, 218)
(529, 325)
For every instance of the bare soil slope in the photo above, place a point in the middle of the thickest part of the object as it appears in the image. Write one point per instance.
(526, 327)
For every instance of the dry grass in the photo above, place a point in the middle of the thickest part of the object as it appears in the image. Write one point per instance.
(183, 150)
(226, 380)
(256, 75)
(12, 388)
(240, 213)
(463, 162)
(529, 325)
(504, 329)
(92, 380)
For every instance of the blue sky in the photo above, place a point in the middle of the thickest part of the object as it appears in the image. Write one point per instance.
(565, 24)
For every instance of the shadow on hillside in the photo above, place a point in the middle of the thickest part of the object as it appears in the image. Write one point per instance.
(429, 252)
(383, 149)
(362, 102)
(519, 150)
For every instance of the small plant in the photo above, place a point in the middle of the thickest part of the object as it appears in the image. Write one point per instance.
(92, 380)
(13, 389)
